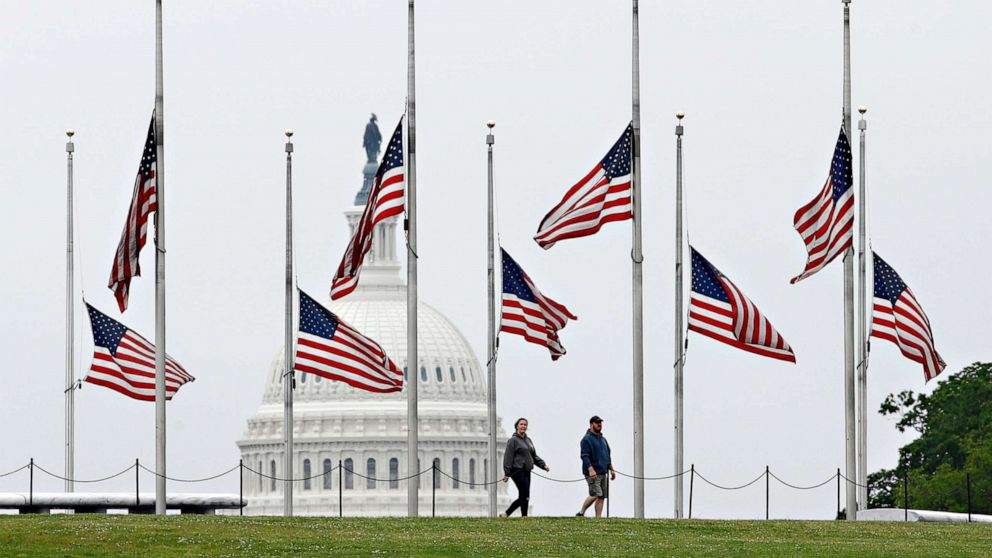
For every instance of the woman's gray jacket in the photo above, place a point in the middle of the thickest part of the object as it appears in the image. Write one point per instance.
(520, 454)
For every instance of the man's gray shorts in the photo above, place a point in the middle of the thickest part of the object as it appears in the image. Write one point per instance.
(600, 486)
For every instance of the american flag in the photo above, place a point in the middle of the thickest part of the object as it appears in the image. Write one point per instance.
(602, 196)
(386, 198)
(125, 361)
(528, 313)
(718, 309)
(826, 223)
(898, 317)
(143, 202)
(328, 347)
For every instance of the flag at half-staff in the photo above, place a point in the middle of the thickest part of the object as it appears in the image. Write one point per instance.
(143, 203)
(329, 347)
(898, 317)
(826, 223)
(528, 313)
(386, 197)
(602, 196)
(719, 310)
(125, 361)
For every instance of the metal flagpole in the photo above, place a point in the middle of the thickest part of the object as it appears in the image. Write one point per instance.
(160, 460)
(679, 343)
(412, 420)
(491, 339)
(862, 323)
(638, 279)
(288, 378)
(849, 422)
(70, 374)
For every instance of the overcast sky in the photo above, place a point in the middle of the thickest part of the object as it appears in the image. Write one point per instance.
(760, 82)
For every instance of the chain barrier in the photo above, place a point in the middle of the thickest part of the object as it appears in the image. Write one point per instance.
(25, 466)
(373, 479)
(653, 478)
(60, 477)
(713, 484)
(855, 483)
(173, 479)
(263, 475)
(460, 481)
(832, 478)
(560, 480)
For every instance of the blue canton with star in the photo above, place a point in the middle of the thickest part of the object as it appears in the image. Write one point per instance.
(513, 280)
(705, 278)
(617, 161)
(148, 157)
(315, 319)
(841, 170)
(107, 332)
(394, 152)
(888, 284)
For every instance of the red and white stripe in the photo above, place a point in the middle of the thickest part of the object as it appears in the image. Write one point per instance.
(536, 322)
(826, 228)
(132, 370)
(385, 200)
(586, 207)
(126, 265)
(349, 357)
(906, 325)
(739, 323)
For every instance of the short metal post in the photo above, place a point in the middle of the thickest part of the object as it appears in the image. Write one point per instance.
(607, 497)
(905, 496)
(968, 477)
(241, 486)
(31, 484)
(766, 491)
(433, 488)
(838, 492)
(340, 487)
(137, 497)
(692, 478)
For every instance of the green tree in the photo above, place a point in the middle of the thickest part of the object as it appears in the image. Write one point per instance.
(955, 427)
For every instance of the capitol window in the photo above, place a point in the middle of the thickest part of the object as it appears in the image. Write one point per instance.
(327, 474)
(272, 474)
(261, 480)
(452, 370)
(394, 473)
(370, 474)
(454, 473)
(437, 472)
(464, 379)
(306, 474)
(471, 474)
(439, 374)
(423, 373)
(303, 378)
(349, 476)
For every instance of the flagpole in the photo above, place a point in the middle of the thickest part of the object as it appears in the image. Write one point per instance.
(491, 339)
(862, 323)
(679, 342)
(849, 380)
(288, 378)
(70, 373)
(160, 461)
(412, 420)
(637, 274)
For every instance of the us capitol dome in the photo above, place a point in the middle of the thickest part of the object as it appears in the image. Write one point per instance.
(367, 432)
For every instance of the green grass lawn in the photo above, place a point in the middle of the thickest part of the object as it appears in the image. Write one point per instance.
(101, 535)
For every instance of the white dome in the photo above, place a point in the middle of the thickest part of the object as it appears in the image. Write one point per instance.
(336, 423)
(449, 370)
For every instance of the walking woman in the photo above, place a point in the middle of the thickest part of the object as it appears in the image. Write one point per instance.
(518, 461)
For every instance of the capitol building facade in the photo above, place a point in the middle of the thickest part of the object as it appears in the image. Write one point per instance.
(367, 432)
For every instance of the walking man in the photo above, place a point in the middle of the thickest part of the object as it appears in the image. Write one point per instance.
(596, 462)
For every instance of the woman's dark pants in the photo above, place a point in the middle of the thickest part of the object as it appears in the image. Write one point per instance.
(520, 478)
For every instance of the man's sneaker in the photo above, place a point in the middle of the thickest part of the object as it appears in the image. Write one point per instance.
(580, 514)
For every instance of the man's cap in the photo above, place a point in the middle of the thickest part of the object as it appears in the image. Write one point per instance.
(595, 418)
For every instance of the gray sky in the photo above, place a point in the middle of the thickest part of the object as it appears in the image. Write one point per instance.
(760, 82)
